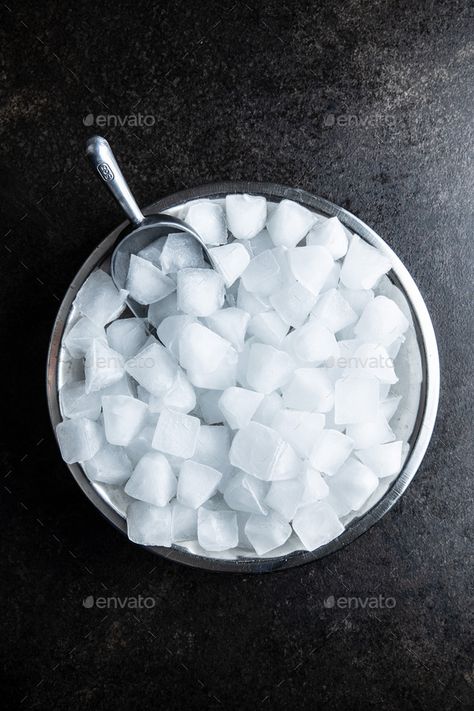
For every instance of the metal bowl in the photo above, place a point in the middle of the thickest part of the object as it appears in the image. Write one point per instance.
(421, 378)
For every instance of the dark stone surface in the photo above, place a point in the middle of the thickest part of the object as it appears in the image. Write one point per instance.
(366, 103)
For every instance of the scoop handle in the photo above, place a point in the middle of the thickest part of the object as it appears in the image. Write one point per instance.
(106, 167)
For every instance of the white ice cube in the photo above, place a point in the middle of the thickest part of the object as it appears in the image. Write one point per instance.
(79, 338)
(176, 433)
(209, 408)
(313, 342)
(208, 220)
(141, 444)
(289, 223)
(381, 322)
(200, 291)
(368, 434)
(102, 366)
(383, 459)
(356, 399)
(183, 523)
(231, 324)
(263, 275)
(268, 408)
(217, 530)
(259, 243)
(79, 439)
(266, 533)
(357, 298)
(153, 480)
(127, 336)
(180, 251)
(330, 451)
(363, 265)
(246, 215)
(331, 234)
(152, 252)
(244, 492)
(163, 308)
(309, 389)
(149, 525)
(111, 465)
(316, 524)
(262, 452)
(284, 497)
(99, 299)
(238, 405)
(224, 376)
(230, 260)
(170, 329)
(389, 407)
(213, 445)
(147, 283)
(181, 396)
(299, 428)
(293, 303)
(75, 402)
(124, 417)
(268, 368)
(310, 266)
(373, 359)
(353, 483)
(153, 368)
(268, 327)
(196, 483)
(200, 349)
(334, 311)
(314, 486)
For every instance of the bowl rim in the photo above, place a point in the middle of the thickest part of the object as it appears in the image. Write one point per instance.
(429, 392)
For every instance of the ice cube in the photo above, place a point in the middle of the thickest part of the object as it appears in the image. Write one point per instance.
(260, 451)
(251, 303)
(388, 407)
(149, 525)
(161, 309)
(268, 327)
(124, 417)
(357, 298)
(124, 386)
(231, 324)
(293, 303)
(180, 251)
(153, 368)
(299, 428)
(316, 524)
(208, 220)
(246, 215)
(314, 486)
(333, 310)
(79, 439)
(213, 446)
(263, 275)
(310, 266)
(266, 533)
(372, 359)
(152, 480)
(238, 406)
(200, 291)
(141, 444)
(284, 497)
(78, 340)
(147, 283)
(176, 433)
(367, 434)
(99, 299)
(363, 265)
(313, 342)
(258, 244)
(330, 451)
(244, 492)
(268, 368)
(289, 223)
(102, 367)
(170, 329)
(200, 349)
(75, 402)
(183, 522)
(110, 465)
(224, 376)
(217, 530)
(127, 336)
(383, 459)
(196, 483)
(309, 389)
(230, 260)
(331, 234)
(353, 483)
(268, 408)
(381, 322)
(332, 280)
(356, 399)
(180, 397)
(209, 408)
(152, 252)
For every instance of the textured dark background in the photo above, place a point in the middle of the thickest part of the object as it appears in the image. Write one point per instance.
(366, 103)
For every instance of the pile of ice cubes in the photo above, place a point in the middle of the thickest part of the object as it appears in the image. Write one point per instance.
(260, 412)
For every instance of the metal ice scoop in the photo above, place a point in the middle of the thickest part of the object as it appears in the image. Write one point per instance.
(143, 230)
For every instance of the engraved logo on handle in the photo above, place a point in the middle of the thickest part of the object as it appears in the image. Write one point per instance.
(105, 172)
